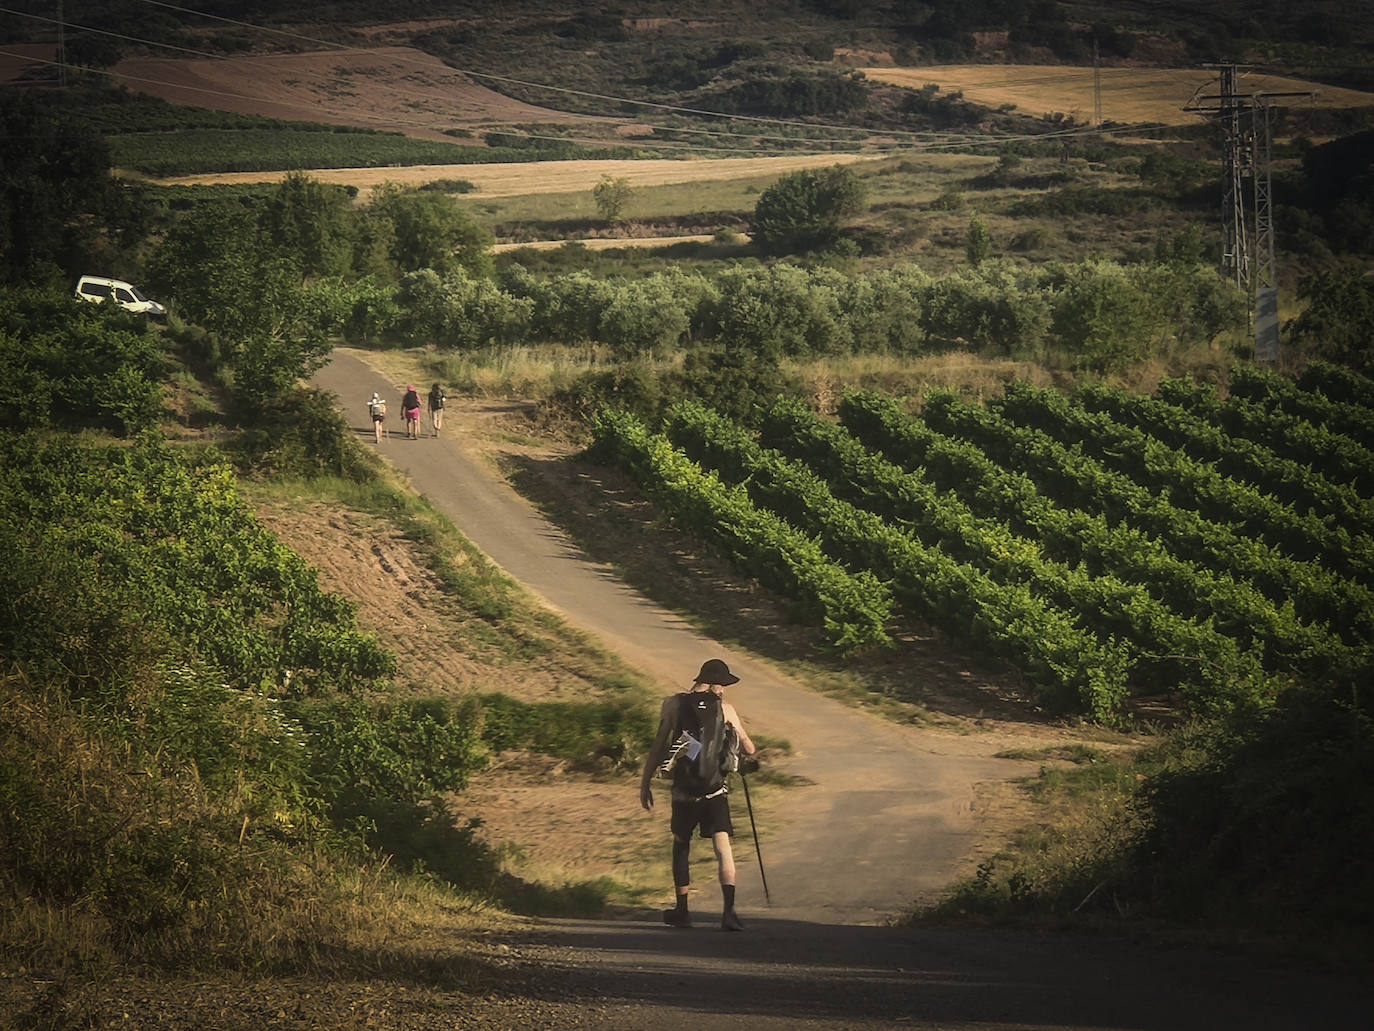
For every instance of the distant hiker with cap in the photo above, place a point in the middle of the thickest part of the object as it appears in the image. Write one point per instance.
(699, 739)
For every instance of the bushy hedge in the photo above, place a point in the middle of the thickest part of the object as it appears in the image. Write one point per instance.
(1103, 314)
(190, 769)
(90, 534)
(66, 364)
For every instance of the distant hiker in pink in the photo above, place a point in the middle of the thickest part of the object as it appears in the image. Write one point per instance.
(410, 410)
(700, 736)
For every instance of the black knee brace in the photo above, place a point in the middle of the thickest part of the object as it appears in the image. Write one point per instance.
(681, 875)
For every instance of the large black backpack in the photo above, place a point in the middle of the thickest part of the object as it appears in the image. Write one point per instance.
(700, 714)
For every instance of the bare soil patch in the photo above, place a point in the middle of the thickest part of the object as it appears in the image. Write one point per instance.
(606, 243)
(20, 57)
(369, 562)
(391, 89)
(550, 823)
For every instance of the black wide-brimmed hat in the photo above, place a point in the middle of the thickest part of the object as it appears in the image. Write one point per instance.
(714, 671)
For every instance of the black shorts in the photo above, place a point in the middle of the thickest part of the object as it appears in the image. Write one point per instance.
(712, 815)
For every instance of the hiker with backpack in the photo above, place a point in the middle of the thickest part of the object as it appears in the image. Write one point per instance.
(436, 407)
(699, 739)
(376, 408)
(410, 411)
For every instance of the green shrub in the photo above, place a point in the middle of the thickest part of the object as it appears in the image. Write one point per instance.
(71, 365)
(114, 546)
(1338, 323)
(1032, 239)
(803, 211)
(160, 827)
(402, 751)
(591, 735)
(303, 436)
(1263, 821)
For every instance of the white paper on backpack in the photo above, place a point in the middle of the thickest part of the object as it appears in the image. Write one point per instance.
(693, 746)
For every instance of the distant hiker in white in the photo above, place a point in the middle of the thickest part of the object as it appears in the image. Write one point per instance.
(377, 409)
(700, 736)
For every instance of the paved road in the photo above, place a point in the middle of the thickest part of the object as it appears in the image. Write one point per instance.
(890, 816)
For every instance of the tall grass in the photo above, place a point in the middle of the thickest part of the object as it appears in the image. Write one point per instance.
(1251, 829)
(111, 854)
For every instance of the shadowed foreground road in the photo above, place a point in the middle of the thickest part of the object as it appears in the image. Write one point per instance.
(784, 974)
(890, 815)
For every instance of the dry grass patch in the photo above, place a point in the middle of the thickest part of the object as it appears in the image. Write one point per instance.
(515, 179)
(976, 376)
(1130, 95)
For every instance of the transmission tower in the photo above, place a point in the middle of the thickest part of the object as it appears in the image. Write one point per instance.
(1247, 223)
(1264, 279)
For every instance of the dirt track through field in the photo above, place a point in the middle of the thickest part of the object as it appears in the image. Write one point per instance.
(888, 816)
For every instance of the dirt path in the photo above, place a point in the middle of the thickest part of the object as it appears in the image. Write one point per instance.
(890, 816)
(891, 813)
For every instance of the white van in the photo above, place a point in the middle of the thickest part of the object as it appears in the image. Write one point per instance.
(126, 295)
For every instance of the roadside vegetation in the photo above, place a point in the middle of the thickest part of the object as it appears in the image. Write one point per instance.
(1000, 396)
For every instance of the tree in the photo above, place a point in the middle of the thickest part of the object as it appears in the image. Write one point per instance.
(429, 230)
(643, 316)
(803, 211)
(208, 262)
(55, 188)
(611, 195)
(1103, 318)
(306, 220)
(225, 277)
(734, 378)
(92, 50)
(1338, 323)
(978, 243)
(1186, 249)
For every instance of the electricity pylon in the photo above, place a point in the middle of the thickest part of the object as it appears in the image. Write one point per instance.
(1247, 222)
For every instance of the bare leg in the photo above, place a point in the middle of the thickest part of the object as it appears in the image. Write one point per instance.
(725, 857)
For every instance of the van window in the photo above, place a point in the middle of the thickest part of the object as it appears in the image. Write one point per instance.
(139, 295)
(96, 289)
(123, 296)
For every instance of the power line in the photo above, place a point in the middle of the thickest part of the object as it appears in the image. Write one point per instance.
(571, 91)
(944, 141)
(920, 140)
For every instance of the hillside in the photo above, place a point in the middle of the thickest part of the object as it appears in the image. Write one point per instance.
(932, 414)
(394, 89)
(452, 71)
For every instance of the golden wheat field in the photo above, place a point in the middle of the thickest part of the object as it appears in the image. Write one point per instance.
(1131, 95)
(513, 180)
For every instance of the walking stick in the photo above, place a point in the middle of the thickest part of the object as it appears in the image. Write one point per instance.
(754, 827)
